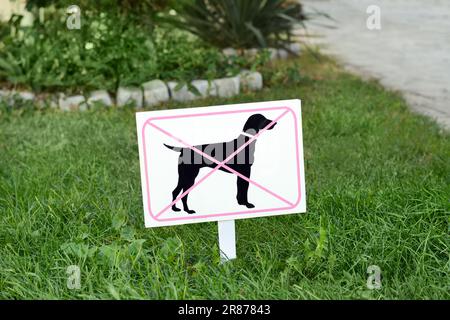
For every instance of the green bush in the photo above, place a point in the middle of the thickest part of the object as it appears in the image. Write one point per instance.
(106, 52)
(142, 12)
(240, 23)
(129, 6)
(184, 57)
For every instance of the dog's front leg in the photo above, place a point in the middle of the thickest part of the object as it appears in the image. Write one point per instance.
(242, 188)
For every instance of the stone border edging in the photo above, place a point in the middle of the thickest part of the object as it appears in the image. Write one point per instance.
(149, 94)
(275, 54)
(154, 92)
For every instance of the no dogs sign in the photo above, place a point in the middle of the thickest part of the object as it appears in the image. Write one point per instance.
(221, 163)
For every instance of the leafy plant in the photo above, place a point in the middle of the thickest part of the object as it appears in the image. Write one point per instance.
(240, 23)
(183, 56)
(139, 7)
(108, 51)
(139, 12)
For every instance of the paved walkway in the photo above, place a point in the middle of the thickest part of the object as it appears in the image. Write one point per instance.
(411, 52)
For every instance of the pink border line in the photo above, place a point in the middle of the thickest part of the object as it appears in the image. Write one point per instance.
(220, 164)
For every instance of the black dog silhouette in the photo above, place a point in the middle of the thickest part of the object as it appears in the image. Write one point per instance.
(190, 162)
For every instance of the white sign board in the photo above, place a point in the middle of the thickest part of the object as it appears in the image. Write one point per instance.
(221, 163)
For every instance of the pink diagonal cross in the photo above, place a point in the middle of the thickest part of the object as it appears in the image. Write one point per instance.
(221, 164)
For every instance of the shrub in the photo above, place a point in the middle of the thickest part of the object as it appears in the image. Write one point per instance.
(142, 12)
(108, 51)
(183, 57)
(129, 6)
(240, 23)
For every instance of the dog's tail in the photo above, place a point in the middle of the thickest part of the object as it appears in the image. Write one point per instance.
(177, 149)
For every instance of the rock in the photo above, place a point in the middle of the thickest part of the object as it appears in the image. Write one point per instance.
(155, 92)
(100, 96)
(229, 52)
(282, 53)
(53, 102)
(46, 100)
(204, 87)
(5, 96)
(70, 103)
(251, 80)
(180, 94)
(295, 47)
(23, 95)
(227, 87)
(127, 95)
(250, 53)
(40, 101)
(11, 97)
(273, 53)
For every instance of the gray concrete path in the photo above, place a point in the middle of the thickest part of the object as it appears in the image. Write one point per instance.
(411, 52)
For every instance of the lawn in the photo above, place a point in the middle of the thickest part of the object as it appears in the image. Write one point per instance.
(377, 181)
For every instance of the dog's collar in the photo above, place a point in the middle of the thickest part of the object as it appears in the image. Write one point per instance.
(247, 134)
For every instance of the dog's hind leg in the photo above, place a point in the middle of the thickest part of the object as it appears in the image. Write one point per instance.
(175, 193)
(179, 187)
(189, 181)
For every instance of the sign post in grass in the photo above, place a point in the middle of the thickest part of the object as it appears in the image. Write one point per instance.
(202, 164)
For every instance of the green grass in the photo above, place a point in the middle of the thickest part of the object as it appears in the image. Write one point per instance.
(377, 181)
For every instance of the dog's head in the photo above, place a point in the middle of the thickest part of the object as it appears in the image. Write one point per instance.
(257, 122)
